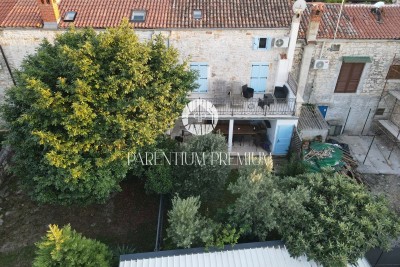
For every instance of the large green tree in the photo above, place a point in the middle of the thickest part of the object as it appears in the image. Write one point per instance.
(82, 103)
(261, 201)
(342, 220)
(66, 247)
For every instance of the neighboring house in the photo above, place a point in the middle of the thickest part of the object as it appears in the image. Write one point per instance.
(345, 72)
(260, 254)
(233, 44)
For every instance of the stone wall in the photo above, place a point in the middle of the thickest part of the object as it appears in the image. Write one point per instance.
(321, 83)
(229, 54)
(5, 77)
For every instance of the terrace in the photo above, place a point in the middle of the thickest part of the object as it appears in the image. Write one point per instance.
(242, 101)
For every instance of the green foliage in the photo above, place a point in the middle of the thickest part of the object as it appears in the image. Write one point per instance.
(342, 220)
(261, 201)
(82, 103)
(186, 225)
(224, 235)
(66, 247)
(294, 167)
(121, 250)
(206, 180)
(159, 178)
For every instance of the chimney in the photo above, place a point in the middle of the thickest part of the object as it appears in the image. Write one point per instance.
(49, 13)
(317, 10)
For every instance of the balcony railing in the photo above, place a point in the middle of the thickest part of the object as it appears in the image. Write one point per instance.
(240, 106)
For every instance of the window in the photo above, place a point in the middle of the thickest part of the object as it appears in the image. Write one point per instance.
(138, 15)
(394, 72)
(197, 14)
(69, 16)
(349, 77)
(262, 43)
(202, 79)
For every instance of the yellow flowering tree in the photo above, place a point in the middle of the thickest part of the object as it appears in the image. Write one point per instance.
(66, 247)
(82, 103)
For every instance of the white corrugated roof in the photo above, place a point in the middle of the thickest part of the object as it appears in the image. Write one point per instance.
(261, 255)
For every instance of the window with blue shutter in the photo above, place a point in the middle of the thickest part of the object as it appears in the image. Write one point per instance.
(262, 43)
(202, 80)
(259, 76)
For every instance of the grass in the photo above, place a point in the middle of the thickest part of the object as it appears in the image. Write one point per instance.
(22, 257)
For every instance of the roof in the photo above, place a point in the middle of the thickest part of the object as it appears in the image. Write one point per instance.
(102, 14)
(19, 13)
(357, 22)
(311, 118)
(260, 254)
(231, 14)
(160, 13)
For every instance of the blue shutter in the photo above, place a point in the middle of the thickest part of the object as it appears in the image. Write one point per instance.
(259, 76)
(269, 43)
(202, 80)
(256, 42)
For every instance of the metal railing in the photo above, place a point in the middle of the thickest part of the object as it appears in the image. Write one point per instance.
(239, 106)
(292, 83)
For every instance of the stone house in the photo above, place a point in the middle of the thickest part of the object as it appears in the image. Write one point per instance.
(234, 46)
(348, 68)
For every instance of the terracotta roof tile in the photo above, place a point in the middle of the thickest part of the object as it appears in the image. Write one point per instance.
(102, 14)
(357, 22)
(19, 13)
(231, 14)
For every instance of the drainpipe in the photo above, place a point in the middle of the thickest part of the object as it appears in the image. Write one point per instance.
(317, 10)
(7, 65)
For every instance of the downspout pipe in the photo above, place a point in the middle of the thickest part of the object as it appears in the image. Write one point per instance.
(7, 65)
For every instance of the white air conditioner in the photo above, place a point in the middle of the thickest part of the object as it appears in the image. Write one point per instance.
(321, 64)
(281, 42)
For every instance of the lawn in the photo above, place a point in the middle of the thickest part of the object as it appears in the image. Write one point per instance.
(128, 218)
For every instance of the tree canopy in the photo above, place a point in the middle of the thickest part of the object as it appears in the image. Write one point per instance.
(206, 177)
(81, 104)
(66, 247)
(342, 220)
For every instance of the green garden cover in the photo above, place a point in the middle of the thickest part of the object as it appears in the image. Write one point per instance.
(322, 155)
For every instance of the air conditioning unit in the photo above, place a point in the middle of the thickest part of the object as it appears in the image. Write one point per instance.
(281, 42)
(321, 64)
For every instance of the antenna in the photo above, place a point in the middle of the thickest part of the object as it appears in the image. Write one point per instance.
(337, 24)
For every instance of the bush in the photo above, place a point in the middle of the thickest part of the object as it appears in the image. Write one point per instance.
(186, 226)
(206, 180)
(66, 247)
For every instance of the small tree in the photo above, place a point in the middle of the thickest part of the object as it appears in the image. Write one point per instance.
(186, 226)
(261, 201)
(205, 177)
(65, 247)
(342, 220)
(83, 103)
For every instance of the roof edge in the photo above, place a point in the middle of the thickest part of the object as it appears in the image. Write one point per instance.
(179, 252)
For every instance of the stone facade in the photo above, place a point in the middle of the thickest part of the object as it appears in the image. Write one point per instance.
(321, 83)
(229, 54)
